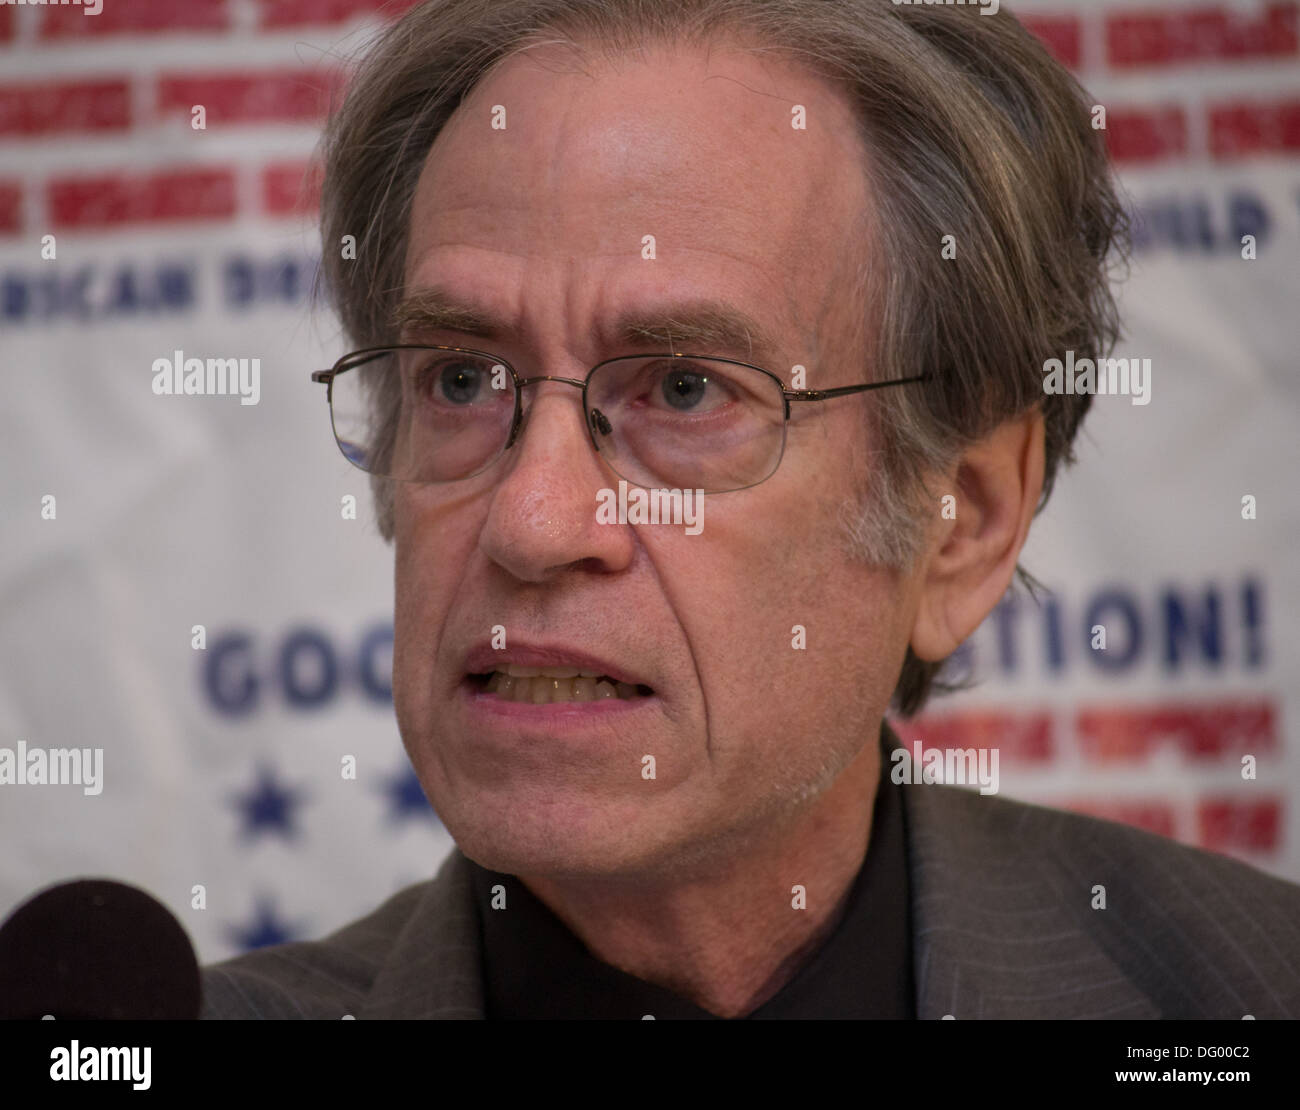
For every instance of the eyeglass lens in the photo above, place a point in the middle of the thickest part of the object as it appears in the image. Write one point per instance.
(680, 422)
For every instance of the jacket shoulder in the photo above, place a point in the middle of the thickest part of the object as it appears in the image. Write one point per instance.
(1191, 876)
(324, 978)
(1200, 934)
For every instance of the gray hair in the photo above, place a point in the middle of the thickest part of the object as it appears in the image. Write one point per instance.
(973, 130)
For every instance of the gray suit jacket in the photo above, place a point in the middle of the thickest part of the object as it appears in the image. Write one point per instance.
(1002, 920)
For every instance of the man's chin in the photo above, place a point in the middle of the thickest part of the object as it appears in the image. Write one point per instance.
(558, 841)
(550, 861)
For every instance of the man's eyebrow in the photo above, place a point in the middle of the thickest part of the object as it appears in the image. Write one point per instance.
(705, 326)
(696, 326)
(432, 309)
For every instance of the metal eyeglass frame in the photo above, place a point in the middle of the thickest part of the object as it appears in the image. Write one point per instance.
(593, 417)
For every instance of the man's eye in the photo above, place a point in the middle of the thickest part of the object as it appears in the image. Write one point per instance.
(684, 390)
(457, 383)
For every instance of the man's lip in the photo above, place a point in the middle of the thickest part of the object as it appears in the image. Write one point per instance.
(485, 659)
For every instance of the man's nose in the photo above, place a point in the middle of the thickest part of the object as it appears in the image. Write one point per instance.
(542, 516)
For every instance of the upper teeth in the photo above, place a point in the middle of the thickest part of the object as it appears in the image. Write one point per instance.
(516, 671)
(544, 685)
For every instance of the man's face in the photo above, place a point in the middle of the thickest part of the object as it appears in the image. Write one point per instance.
(542, 223)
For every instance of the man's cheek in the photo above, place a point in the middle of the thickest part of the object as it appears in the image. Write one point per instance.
(415, 635)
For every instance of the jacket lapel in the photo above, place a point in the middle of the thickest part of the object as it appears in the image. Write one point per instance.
(999, 918)
(434, 968)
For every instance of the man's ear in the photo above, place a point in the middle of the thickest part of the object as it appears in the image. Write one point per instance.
(997, 485)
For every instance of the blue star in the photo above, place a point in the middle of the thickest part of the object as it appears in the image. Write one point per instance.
(265, 928)
(268, 807)
(406, 797)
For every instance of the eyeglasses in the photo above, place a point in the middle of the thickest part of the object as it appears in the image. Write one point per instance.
(430, 414)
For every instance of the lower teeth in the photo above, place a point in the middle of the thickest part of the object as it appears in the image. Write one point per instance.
(541, 690)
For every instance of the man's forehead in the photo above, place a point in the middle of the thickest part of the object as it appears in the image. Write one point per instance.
(694, 153)
(684, 130)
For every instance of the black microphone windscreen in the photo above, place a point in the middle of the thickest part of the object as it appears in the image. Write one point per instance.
(97, 949)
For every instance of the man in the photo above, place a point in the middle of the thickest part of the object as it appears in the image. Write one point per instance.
(659, 742)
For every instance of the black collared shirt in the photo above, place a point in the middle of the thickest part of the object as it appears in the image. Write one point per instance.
(536, 968)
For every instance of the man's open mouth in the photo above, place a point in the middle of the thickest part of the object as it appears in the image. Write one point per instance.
(547, 685)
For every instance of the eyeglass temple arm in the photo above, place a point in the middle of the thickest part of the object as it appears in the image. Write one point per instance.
(845, 390)
(356, 358)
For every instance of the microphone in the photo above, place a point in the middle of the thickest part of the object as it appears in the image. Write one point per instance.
(97, 949)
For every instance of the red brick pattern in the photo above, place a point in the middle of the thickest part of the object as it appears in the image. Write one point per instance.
(1182, 125)
(273, 96)
(107, 200)
(1061, 34)
(1210, 736)
(301, 13)
(290, 188)
(118, 17)
(1147, 134)
(11, 207)
(61, 107)
(1210, 33)
(1242, 128)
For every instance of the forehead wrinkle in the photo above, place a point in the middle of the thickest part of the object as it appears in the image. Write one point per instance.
(710, 327)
